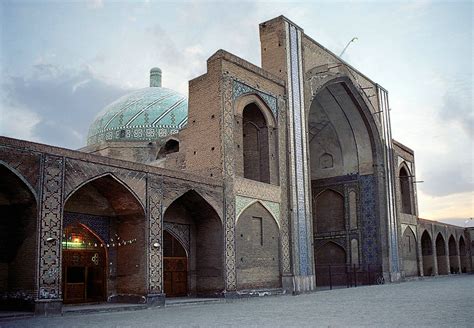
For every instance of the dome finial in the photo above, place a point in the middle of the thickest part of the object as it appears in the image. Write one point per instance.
(155, 77)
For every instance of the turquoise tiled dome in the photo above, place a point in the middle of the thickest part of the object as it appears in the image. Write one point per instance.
(146, 114)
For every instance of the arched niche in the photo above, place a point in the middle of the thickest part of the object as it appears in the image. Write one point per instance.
(328, 212)
(205, 258)
(107, 206)
(18, 239)
(256, 140)
(336, 126)
(405, 190)
(257, 249)
(427, 254)
(410, 264)
(453, 255)
(441, 255)
(330, 264)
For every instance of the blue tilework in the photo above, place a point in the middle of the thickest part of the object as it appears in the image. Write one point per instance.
(239, 89)
(298, 144)
(370, 225)
(100, 225)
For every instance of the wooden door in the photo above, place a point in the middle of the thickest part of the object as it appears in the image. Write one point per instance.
(175, 267)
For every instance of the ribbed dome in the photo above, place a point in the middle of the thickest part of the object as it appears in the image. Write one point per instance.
(146, 114)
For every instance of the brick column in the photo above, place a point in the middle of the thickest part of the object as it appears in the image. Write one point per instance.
(49, 299)
(446, 250)
(419, 254)
(435, 257)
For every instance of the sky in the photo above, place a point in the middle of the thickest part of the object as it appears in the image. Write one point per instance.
(61, 62)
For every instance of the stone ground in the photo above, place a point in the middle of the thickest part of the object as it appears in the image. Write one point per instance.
(433, 302)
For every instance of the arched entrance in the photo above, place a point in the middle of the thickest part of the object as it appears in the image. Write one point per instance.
(343, 152)
(200, 229)
(105, 211)
(84, 265)
(441, 255)
(463, 255)
(453, 255)
(18, 217)
(175, 264)
(410, 264)
(257, 249)
(427, 253)
(331, 261)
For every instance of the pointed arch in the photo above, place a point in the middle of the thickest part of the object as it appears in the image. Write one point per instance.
(409, 253)
(328, 211)
(441, 255)
(406, 195)
(330, 260)
(210, 201)
(257, 248)
(106, 203)
(101, 176)
(21, 177)
(453, 255)
(18, 238)
(206, 266)
(249, 98)
(270, 211)
(427, 253)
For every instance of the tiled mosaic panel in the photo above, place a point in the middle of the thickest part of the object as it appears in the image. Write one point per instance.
(298, 142)
(51, 219)
(99, 224)
(229, 174)
(240, 89)
(180, 232)
(369, 224)
(146, 114)
(389, 178)
(155, 235)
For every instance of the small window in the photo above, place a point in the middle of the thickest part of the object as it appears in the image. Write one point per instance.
(171, 146)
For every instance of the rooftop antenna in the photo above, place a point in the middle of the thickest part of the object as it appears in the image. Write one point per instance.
(347, 46)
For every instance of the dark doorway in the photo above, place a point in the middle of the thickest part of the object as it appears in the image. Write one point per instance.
(427, 253)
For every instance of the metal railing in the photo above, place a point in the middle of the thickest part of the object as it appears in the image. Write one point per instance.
(348, 275)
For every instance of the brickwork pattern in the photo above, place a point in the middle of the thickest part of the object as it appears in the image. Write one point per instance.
(51, 221)
(79, 172)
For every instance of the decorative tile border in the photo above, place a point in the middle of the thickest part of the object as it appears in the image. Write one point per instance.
(51, 228)
(242, 202)
(240, 88)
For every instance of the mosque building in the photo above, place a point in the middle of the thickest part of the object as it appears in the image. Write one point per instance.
(268, 180)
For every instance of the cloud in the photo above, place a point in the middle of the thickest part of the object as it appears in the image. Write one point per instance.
(54, 105)
(95, 4)
(457, 104)
(455, 208)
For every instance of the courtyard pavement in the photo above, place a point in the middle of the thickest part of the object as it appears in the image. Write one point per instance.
(432, 302)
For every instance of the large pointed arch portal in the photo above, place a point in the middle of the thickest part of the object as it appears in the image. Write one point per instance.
(344, 147)
(103, 243)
